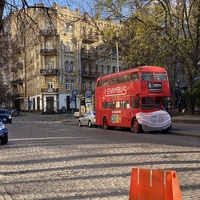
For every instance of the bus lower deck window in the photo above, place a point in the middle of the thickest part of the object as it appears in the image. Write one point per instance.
(105, 105)
(111, 105)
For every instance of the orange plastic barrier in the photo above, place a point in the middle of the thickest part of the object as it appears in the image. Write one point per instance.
(154, 185)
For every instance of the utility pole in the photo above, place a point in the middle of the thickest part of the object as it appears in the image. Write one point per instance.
(117, 52)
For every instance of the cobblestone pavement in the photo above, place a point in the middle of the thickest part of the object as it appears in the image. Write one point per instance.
(79, 164)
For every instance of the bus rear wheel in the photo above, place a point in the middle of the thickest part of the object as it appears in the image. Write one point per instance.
(105, 123)
(136, 127)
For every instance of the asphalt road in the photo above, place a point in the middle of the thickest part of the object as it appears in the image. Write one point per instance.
(47, 159)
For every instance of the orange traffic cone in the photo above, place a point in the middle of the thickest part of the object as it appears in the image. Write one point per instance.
(154, 185)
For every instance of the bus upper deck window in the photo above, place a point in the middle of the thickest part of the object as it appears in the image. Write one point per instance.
(147, 76)
(160, 77)
(134, 77)
(112, 81)
(126, 78)
(118, 79)
(99, 83)
(105, 82)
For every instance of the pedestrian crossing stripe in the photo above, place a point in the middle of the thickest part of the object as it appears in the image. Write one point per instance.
(35, 122)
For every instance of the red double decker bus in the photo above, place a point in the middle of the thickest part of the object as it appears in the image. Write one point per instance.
(133, 99)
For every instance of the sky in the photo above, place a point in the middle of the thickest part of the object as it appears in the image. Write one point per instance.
(84, 5)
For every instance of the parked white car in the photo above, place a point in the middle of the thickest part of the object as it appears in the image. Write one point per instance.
(89, 119)
(76, 114)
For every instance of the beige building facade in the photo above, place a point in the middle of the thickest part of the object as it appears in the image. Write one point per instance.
(58, 55)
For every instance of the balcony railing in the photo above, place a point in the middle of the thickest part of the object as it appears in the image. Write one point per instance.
(89, 39)
(90, 74)
(46, 72)
(88, 55)
(17, 81)
(47, 32)
(49, 90)
(48, 52)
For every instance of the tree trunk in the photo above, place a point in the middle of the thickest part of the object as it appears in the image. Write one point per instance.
(190, 108)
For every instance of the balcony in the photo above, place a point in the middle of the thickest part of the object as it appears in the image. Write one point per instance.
(46, 72)
(90, 74)
(47, 32)
(89, 55)
(47, 52)
(17, 81)
(89, 39)
(49, 90)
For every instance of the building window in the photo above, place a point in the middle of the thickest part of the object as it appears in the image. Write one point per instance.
(66, 65)
(71, 66)
(83, 32)
(49, 64)
(90, 86)
(102, 69)
(90, 68)
(67, 85)
(108, 69)
(84, 85)
(96, 68)
(65, 28)
(113, 69)
(89, 33)
(50, 85)
(71, 29)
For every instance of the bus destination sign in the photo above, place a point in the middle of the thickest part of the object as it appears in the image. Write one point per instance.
(154, 86)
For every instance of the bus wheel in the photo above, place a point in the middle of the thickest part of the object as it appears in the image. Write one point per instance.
(136, 127)
(105, 123)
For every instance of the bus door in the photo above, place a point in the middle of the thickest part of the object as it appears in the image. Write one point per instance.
(134, 105)
(125, 105)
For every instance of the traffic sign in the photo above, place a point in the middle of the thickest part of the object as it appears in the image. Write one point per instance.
(74, 92)
(31, 102)
(88, 94)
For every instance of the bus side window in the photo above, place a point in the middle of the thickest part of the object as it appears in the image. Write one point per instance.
(134, 77)
(118, 104)
(112, 81)
(132, 102)
(125, 104)
(111, 105)
(105, 82)
(137, 101)
(126, 79)
(104, 105)
(99, 83)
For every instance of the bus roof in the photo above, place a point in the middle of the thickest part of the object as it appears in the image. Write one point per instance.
(137, 69)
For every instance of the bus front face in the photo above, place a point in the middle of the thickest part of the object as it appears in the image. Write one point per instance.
(154, 87)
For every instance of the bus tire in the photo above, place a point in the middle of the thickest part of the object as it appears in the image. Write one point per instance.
(136, 127)
(105, 123)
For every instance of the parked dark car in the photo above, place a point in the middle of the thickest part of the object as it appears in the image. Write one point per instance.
(3, 133)
(5, 116)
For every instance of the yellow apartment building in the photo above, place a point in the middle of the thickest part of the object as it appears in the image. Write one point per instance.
(58, 55)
